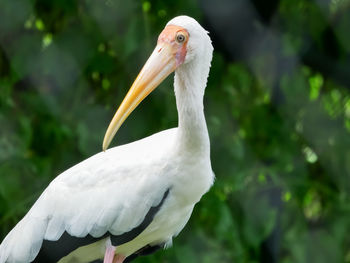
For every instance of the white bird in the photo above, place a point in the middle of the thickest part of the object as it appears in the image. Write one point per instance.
(132, 199)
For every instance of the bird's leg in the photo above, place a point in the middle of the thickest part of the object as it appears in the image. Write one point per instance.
(109, 253)
(119, 258)
(110, 256)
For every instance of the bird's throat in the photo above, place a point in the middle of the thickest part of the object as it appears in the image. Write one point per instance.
(189, 87)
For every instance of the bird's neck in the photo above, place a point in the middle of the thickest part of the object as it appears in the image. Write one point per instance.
(190, 82)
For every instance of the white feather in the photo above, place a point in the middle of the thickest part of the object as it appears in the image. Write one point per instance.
(113, 190)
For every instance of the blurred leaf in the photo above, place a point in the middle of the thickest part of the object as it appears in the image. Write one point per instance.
(277, 110)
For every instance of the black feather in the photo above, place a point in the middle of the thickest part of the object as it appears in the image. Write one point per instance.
(53, 251)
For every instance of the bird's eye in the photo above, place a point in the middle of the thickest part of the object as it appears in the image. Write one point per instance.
(180, 38)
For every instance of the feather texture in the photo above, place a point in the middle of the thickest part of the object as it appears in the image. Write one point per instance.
(112, 192)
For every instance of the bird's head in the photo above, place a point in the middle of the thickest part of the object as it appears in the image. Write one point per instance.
(181, 41)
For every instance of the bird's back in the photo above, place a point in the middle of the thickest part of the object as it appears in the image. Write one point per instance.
(99, 195)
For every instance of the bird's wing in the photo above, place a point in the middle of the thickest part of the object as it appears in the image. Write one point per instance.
(112, 191)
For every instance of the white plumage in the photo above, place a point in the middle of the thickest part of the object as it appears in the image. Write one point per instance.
(114, 190)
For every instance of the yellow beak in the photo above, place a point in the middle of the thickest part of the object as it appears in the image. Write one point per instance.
(159, 65)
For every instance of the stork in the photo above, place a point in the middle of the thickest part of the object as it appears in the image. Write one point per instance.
(132, 199)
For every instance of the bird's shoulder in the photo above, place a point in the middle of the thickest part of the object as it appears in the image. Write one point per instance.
(123, 162)
(105, 190)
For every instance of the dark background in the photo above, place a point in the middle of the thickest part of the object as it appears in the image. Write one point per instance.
(277, 107)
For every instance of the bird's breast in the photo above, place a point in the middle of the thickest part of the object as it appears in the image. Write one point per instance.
(193, 178)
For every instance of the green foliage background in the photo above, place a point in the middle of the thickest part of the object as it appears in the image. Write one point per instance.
(282, 168)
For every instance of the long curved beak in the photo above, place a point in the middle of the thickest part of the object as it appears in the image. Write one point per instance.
(159, 65)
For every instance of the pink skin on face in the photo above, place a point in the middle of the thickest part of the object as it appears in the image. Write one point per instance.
(168, 35)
